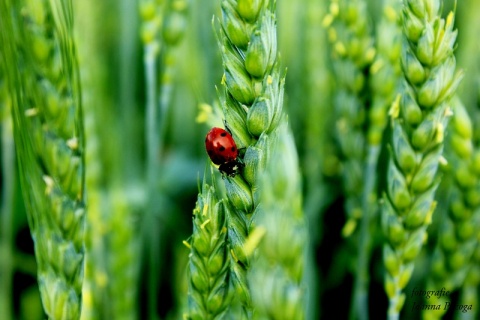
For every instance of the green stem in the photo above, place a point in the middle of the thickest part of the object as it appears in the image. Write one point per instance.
(157, 104)
(465, 298)
(467, 53)
(128, 76)
(25, 263)
(8, 181)
(316, 88)
(470, 291)
(151, 117)
(393, 316)
(360, 296)
(166, 91)
(152, 142)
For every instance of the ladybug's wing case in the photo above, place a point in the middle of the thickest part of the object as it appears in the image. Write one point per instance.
(210, 147)
(221, 147)
(222, 151)
(216, 159)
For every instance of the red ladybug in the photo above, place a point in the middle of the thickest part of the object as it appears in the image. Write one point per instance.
(223, 151)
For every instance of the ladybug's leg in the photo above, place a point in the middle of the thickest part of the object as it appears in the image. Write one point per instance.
(227, 128)
(223, 170)
(239, 161)
(236, 166)
(241, 152)
(231, 168)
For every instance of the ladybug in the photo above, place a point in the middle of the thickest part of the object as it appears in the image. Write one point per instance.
(223, 151)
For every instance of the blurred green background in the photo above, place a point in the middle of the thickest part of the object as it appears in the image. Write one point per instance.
(130, 232)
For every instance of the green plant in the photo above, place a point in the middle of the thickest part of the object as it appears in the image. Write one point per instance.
(7, 197)
(43, 81)
(163, 26)
(209, 263)
(276, 278)
(469, 291)
(467, 276)
(353, 53)
(458, 232)
(419, 122)
(91, 74)
(314, 132)
(350, 35)
(252, 253)
(252, 106)
(122, 268)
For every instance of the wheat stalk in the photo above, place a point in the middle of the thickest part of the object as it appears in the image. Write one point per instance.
(470, 295)
(43, 78)
(352, 52)
(123, 268)
(317, 158)
(151, 13)
(7, 197)
(385, 71)
(92, 73)
(458, 233)
(163, 26)
(277, 274)
(209, 293)
(384, 80)
(467, 51)
(316, 151)
(419, 120)
(252, 107)
(173, 32)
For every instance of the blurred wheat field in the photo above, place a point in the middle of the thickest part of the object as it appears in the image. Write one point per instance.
(357, 126)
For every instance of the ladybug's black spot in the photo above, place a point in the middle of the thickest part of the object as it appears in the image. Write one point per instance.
(222, 148)
(233, 149)
(223, 134)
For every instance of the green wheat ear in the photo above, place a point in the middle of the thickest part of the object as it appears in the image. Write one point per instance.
(349, 33)
(39, 51)
(93, 99)
(385, 71)
(419, 120)
(384, 80)
(277, 274)
(163, 24)
(458, 233)
(208, 271)
(470, 294)
(252, 105)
